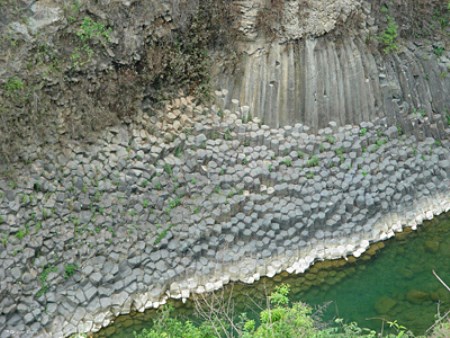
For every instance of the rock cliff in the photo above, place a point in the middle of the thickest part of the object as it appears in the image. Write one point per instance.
(69, 70)
(315, 62)
(115, 196)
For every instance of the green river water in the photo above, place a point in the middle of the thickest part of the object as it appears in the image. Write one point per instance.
(392, 281)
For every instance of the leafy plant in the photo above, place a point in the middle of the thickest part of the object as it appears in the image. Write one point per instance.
(340, 153)
(313, 162)
(90, 29)
(178, 151)
(301, 154)
(14, 84)
(388, 37)
(363, 132)
(380, 142)
(5, 239)
(227, 135)
(43, 280)
(330, 139)
(72, 11)
(174, 203)
(69, 270)
(287, 162)
(162, 235)
(21, 233)
(438, 51)
(168, 169)
(279, 319)
(167, 326)
(145, 203)
(419, 112)
(247, 118)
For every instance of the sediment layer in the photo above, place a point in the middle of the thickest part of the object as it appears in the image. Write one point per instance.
(94, 231)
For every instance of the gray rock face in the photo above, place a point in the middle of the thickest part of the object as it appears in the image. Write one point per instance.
(296, 74)
(322, 80)
(104, 243)
(294, 19)
(194, 197)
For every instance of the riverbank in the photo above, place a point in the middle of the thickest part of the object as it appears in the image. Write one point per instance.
(391, 281)
(163, 208)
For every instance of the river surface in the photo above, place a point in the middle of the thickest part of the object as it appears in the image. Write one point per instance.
(392, 281)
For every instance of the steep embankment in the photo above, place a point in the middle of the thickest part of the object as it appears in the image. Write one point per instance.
(69, 70)
(111, 204)
(344, 61)
(95, 231)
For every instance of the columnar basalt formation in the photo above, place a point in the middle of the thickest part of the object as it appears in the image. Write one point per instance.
(317, 81)
(302, 61)
(91, 232)
(318, 144)
(317, 63)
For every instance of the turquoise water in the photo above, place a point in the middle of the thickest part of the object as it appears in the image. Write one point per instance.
(396, 284)
(386, 284)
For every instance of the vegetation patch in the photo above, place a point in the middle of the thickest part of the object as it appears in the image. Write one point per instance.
(388, 38)
(279, 319)
(43, 280)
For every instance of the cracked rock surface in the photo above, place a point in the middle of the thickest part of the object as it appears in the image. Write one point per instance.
(93, 231)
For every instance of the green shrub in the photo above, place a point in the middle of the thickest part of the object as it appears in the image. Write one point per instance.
(43, 280)
(5, 240)
(14, 84)
(438, 51)
(313, 162)
(168, 327)
(287, 162)
(340, 153)
(69, 270)
(300, 154)
(279, 320)
(310, 175)
(145, 203)
(21, 234)
(389, 36)
(330, 139)
(174, 203)
(90, 29)
(162, 235)
(168, 169)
